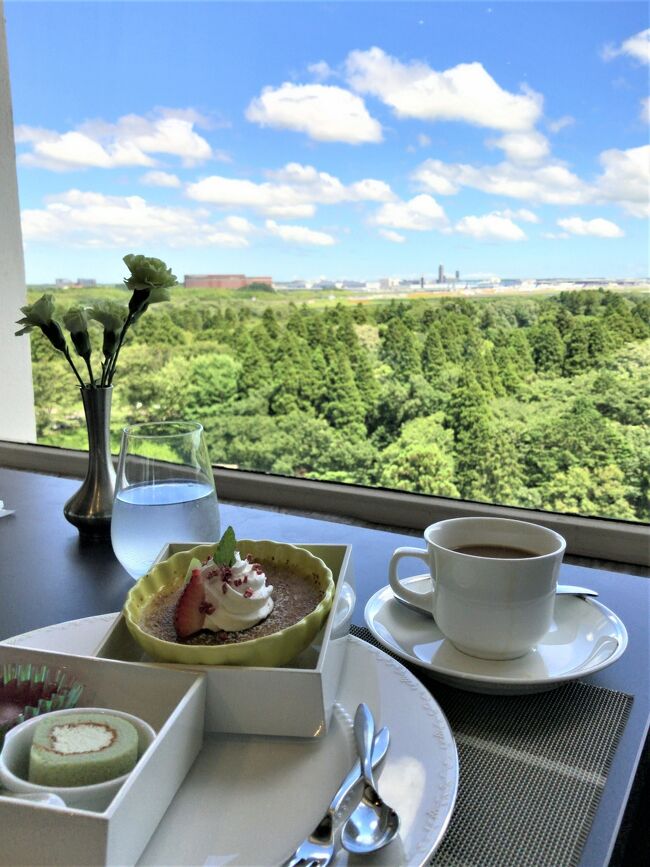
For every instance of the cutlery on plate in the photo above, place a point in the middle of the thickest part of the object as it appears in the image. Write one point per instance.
(317, 850)
(373, 824)
(425, 606)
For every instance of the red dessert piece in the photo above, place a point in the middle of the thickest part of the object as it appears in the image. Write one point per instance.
(189, 615)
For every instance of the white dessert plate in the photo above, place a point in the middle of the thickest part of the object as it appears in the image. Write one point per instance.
(250, 799)
(585, 637)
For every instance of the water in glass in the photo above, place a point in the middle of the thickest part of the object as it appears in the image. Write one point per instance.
(165, 493)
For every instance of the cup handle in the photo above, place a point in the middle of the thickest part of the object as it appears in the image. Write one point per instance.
(422, 600)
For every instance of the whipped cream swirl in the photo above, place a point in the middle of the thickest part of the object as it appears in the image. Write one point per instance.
(236, 597)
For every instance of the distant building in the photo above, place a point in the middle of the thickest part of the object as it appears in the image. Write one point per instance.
(441, 273)
(79, 283)
(457, 275)
(222, 281)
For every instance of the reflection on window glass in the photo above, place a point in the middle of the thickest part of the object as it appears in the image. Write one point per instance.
(411, 244)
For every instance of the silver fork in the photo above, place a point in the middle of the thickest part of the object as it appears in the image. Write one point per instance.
(317, 850)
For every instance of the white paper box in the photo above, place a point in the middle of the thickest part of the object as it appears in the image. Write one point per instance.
(173, 702)
(294, 700)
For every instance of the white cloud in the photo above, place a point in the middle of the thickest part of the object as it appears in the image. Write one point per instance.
(293, 191)
(645, 109)
(551, 184)
(239, 224)
(324, 188)
(637, 47)
(160, 179)
(321, 70)
(97, 220)
(561, 123)
(626, 179)
(597, 228)
(300, 234)
(371, 190)
(522, 214)
(74, 150)
(390, 235)
(128, 142)
(279, 200)
(490, 227)
(523, 147)
(323, 112)
(420, 214)
(463, 93)
(423, 140)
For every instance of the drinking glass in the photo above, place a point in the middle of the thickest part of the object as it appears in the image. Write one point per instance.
(164, 492)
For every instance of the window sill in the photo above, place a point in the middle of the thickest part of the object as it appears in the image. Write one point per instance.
(599, 538)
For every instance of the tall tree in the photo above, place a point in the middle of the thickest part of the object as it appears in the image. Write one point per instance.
(421, 459)
(547, 347)
(342, 406)
(434, 357)
(399, 350)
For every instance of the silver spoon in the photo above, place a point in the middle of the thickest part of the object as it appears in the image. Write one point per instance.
(424, 607)
(373, 824)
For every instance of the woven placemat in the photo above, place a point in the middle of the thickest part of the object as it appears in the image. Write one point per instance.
(532, 770)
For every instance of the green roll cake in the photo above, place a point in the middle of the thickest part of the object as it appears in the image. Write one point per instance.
(81, 749)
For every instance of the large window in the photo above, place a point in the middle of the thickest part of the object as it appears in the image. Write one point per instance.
(411, 238)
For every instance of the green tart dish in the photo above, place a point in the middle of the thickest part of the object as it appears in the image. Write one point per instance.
(275, 649)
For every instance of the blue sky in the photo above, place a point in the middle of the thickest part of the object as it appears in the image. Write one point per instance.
(334, 140)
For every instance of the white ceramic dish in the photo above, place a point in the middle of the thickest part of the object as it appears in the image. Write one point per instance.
(14, 761)
(584, 638)
(171, 701)
(209, 821)
(243, 699)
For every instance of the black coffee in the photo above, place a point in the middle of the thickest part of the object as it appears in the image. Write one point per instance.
(500, 552)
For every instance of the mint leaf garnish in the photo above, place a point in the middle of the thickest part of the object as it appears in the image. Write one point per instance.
(224, 553)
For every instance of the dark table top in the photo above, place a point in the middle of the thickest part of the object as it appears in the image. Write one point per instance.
(47, 576)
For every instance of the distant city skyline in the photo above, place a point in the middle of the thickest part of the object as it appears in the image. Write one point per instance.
(239, 281)
(337, 141)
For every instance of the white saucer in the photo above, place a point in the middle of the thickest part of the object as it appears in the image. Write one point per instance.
(585, 637)
(240, 781)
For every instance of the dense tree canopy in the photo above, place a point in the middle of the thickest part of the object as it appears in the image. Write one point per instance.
(539, 402)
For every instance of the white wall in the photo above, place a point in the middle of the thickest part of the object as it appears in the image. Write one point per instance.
(17, 420)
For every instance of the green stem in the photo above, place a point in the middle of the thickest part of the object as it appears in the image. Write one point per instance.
(72, 365)
(90, 371)
(113, 361)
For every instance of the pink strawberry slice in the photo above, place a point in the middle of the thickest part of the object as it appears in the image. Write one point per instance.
(189, 614)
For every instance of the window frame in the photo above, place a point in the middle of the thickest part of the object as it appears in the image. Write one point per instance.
(622, 541)
(16, 389)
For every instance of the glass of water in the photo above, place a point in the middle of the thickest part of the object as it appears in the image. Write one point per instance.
(164, 492)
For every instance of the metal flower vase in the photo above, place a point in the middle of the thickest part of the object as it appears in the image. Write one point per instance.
(91, 507)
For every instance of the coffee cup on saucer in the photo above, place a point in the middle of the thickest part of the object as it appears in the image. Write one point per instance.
(494, 583)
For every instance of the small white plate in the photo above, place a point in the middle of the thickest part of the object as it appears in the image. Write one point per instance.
(585, 637)
(240, 781)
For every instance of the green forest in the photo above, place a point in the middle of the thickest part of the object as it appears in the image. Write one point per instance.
(541, 402)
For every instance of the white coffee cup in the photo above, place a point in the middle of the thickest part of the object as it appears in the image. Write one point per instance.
(492, 607)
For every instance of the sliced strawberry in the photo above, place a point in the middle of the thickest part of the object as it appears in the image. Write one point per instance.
(189, 614)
